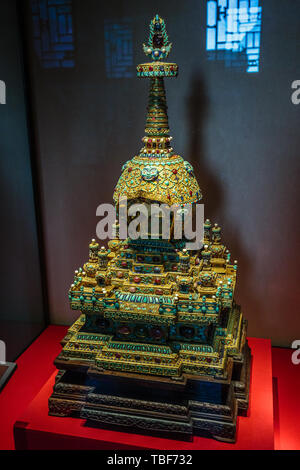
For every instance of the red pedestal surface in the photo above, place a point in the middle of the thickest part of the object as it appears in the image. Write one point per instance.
(35, 366)
(36, 430)
(286, 387)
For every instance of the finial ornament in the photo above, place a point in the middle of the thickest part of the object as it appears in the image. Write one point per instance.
(157, 49)
(158, 46)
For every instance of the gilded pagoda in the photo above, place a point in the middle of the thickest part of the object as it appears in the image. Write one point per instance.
(160, 345)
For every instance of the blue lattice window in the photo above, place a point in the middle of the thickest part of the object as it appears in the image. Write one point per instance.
(233, 32)
(118, 48)
(53, 32)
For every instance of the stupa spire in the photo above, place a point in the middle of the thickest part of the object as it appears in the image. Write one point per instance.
(157, 140)
(157, 173)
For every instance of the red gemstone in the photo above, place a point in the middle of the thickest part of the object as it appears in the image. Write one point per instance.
(157, 280)
(124, 330)
(118, 356)
(124, 264)
(159, 292)
(157, 151)
(175, 172)
(120, 275)
(129, 170)
(137, 279)
(150, 69)
(191, 193)
(149, 141)
(171, 68)
(169, 197)
(174, 267)
(197, 261)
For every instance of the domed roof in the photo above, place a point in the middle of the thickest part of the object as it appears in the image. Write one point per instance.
(168, 180)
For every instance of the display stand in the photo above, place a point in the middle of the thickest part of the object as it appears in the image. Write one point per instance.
(6, 371)
(36, 430)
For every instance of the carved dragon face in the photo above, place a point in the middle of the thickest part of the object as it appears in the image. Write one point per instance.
(149, 173)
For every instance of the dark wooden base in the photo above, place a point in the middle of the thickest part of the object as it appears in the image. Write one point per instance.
(175, 409)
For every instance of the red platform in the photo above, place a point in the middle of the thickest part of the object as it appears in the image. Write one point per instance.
(34, 429)
(37, 364)
(286, 387)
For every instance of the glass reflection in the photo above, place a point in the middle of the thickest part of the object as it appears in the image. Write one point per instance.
(53, 32)
(233, 33)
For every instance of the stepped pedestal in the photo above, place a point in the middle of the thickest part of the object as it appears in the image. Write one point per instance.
(36, 430)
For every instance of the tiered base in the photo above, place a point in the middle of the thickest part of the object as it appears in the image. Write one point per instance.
(36, 430)
(165, 407)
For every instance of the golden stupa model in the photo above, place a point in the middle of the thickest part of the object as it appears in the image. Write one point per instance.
(160, 346)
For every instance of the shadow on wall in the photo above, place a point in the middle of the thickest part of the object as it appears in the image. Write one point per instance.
(198, 108)
(214, 196)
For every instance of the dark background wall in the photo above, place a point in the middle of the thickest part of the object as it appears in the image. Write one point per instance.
(22, 313)
(240, 131)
